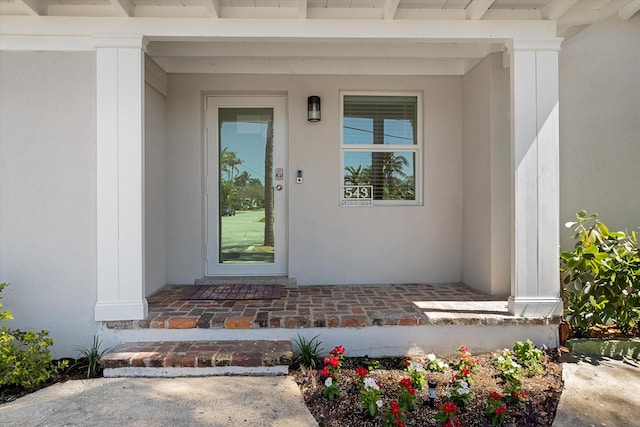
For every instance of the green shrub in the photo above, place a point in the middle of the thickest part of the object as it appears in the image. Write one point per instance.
(529, 357)
(601, 277)
(25, 358)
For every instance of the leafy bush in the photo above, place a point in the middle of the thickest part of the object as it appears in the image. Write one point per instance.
(601, 277)
(529, 357)
(25, 358)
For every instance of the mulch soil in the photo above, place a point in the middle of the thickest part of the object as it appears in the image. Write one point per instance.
(543, 394)
(74, 371)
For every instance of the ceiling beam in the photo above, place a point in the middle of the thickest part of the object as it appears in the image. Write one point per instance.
(556, 8)
(302, 9)
(629, 10)
(33, 7)
(159, 29)
(389, 8)
(124, 8)
(213, 8)
(477, 8)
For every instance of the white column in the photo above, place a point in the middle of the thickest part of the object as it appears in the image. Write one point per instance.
(120, 178)
(535, 282)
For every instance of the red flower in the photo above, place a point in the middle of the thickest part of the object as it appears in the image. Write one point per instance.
(411, 390)
(324, 372)
(361, 371)
(466, 372)
(463, 348)
(450, 408)
(524, 396)
(326, 360)
(496, 395)
(501, 410)
(334, 361)
(405, 382)
(338, 350)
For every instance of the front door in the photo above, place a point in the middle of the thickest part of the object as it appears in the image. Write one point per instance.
(245, 186)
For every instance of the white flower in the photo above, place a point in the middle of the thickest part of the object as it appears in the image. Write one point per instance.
(379, 403)
(500, 359)
(463, 390)
(442, 365)
(463, 384)
(371, 383)
(449, 394)
(328, 382)
(431, 357)
(416, 366)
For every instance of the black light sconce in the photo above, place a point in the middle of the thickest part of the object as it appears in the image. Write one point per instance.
(313, 104)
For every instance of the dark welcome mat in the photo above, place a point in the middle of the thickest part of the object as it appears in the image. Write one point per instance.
(232, 292)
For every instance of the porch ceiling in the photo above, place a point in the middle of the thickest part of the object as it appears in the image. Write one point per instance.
(408, 37)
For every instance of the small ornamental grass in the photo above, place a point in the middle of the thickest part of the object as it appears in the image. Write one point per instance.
(307, 351)
(89, 358)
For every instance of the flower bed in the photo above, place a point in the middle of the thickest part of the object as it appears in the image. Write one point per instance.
(470, 391)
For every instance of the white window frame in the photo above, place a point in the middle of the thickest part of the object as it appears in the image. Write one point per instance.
(414, 148)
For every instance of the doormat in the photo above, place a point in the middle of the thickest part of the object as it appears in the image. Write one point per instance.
(232, 292)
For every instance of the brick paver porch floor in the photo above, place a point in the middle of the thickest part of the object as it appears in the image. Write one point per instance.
(330, 306)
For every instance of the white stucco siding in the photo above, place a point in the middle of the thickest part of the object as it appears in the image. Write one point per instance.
(485, 231)
(48, 193)
(600, 125)
(327, 244)
(155, 223)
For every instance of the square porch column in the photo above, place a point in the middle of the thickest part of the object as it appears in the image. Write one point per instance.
(120, 178)
(535, 277)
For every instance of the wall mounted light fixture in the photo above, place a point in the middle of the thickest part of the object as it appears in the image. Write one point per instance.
(313, 104)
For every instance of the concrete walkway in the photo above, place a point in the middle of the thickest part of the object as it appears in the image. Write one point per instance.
(141, 402)
(599, 391)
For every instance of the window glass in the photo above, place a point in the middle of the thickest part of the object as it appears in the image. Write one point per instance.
(380, 146)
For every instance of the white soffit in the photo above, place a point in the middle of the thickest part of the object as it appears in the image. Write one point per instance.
(304, 36)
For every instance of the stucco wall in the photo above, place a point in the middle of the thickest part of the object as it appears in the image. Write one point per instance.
(48, 193)
(485, 229)
(155, 206)
(327, 244)
(600, 125)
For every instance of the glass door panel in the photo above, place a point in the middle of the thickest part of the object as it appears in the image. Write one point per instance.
(246, 211)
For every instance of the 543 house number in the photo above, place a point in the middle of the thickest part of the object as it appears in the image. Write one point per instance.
(357, 195)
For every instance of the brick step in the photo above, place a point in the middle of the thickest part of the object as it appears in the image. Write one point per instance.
(198, 358)
(254, 280)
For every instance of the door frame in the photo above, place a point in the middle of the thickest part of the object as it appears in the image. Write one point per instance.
(212, 265)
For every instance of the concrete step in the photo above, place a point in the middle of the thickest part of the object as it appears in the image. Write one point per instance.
(253, 280)
(198, 358)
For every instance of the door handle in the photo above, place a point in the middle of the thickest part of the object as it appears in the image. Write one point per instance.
(279, 187)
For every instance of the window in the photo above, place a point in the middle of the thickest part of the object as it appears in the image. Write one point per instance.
(381, 144)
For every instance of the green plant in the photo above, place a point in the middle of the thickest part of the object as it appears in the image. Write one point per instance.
(89, 357)
(307, 351)
(25, 358)
(448, 414)
(601, 277)
(394, 415)
(370, 395)
(496, 409)
(415, 371)
(529, 357)
(331, 372)
(407, 394)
